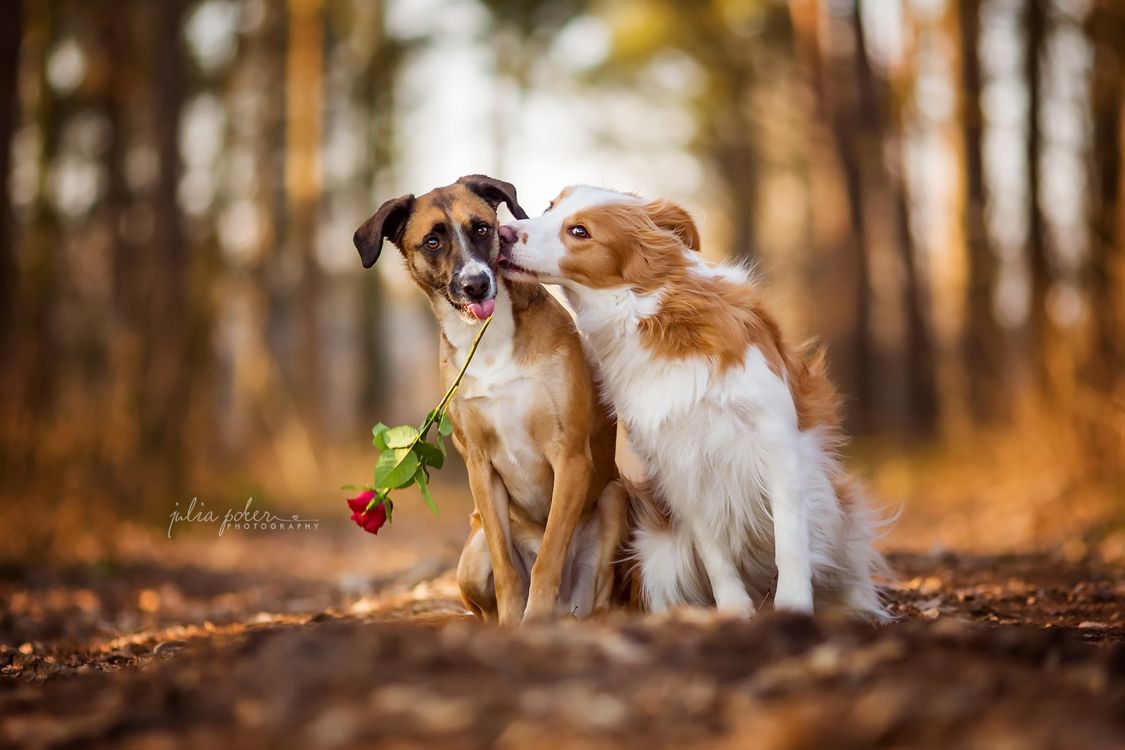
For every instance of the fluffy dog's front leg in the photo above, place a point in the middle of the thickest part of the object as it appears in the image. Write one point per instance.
(731, 596)
(790, 526)
(491, 498)
(568, 499)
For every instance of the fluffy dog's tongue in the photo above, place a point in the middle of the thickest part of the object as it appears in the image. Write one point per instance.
(482, 309)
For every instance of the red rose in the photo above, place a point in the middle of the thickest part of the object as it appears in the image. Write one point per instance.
(368, 520)
(360, 501)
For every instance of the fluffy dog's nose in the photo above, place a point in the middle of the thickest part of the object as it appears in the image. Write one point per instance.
(475, 286)
(507, 234)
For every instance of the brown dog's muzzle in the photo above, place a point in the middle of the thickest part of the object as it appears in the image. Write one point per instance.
(473, 285)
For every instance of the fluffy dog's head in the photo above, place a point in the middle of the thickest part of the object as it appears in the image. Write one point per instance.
(598, 239)
(449, 240)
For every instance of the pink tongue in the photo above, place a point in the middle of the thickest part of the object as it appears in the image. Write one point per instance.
(483, 309)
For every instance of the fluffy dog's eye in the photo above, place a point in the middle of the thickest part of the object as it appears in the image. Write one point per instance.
(431, 242)
(578, 231)
(483, 230)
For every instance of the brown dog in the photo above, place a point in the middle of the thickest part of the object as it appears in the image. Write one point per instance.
(538, 443)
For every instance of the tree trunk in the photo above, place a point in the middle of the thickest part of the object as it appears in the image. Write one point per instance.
(1039, 322)
(304, 91)
(117, 51)
(858, 134)
(127, 318)
(837, 104)
(738, 167)
(1105, 368)
(1107, 25)
(982, 343)
(39, 273)
(885, 130)
(379, 91)
(169, 328)
(862, 345)
(921, 367)
(11, 33)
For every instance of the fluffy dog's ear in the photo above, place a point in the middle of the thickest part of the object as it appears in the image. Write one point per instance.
(388, 222)
(672, 217)
(494, 192)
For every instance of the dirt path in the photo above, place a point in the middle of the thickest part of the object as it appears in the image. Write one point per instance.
(1020, 652)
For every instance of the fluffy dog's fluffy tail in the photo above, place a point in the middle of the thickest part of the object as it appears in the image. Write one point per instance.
(663, 570)
(857, 592)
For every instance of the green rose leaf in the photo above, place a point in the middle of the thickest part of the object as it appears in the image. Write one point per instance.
(430, 454)
(377, 434)
(402, 436)
(424, 486)
(445, 426)
(395, 468)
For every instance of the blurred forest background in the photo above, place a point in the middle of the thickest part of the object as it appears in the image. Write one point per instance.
(932, 187)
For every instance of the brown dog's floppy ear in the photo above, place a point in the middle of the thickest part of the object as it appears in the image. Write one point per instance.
(388, 222)
(671, 217)
(494, 192)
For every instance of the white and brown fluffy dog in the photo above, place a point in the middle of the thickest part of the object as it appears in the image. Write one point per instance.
(737, 430)
(539, 445)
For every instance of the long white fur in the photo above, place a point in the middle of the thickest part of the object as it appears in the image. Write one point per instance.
(750, 495)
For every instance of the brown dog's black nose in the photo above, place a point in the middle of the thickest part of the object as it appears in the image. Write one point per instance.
(474, 286)
(507, 234)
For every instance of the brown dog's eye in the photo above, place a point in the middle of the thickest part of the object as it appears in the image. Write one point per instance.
(579, 231)
(431, 242)
(483, 230)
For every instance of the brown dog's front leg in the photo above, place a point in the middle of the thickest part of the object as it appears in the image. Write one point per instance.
(491, 498)
(568, 500)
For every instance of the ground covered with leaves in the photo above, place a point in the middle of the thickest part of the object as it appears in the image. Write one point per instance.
(280, 650)
(1010, 633)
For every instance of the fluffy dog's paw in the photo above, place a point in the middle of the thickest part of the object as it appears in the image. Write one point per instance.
(737, 609)
(794, 599)
(732, 601)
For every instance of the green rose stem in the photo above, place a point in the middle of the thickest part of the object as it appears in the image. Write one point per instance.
(405, 455)
(440, 410)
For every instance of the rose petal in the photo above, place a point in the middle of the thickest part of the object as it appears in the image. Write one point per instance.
(360, 501)
(375, 519)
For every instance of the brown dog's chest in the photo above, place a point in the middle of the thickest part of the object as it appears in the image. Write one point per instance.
(496, 411)
(527, 401)
(516, 459)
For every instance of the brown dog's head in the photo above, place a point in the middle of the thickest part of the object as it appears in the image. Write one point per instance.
(448, 238)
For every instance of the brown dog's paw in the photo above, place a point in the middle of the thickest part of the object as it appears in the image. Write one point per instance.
(540, 611)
